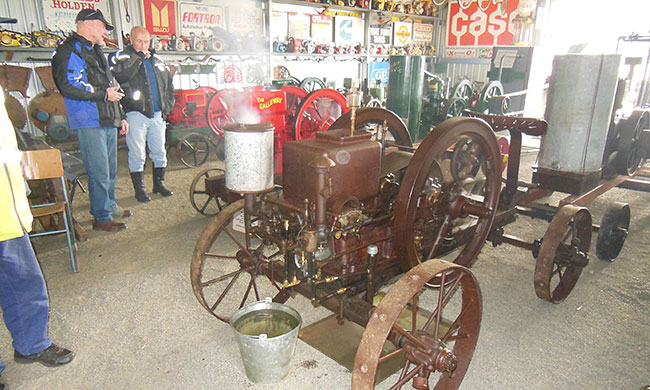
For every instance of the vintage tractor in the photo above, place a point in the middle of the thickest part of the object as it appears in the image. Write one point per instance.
(356, 210)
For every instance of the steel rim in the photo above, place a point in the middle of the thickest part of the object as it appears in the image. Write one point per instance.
(427, 345)
(217, 110)
(613, 231)
(563, 253)
(203, 202)
(193, 150)
(226, 262)
(436, 214)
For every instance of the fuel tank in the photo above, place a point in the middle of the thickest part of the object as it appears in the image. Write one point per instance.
(355, 174)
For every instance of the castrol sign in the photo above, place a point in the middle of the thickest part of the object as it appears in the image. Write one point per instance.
(473, 27)
(199, 18)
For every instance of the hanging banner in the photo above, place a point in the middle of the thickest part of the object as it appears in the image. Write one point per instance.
(422, 33)
(321, 28)
(60, 15)
(348, 30)
(244, 19)
(475, 28)
(402, 33)
(160, 16)
(199, 18)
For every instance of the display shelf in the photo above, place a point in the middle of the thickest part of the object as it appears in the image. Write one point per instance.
(319, 5)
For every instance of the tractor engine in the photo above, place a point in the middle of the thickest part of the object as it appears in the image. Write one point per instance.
(335, 177)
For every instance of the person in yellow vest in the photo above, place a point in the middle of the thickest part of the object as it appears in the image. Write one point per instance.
(23, 294)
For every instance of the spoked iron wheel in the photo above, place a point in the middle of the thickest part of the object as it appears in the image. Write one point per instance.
(310, 84)
(434, 331)
(454, 107)
(491, 90)
(217, 114)
(295, 96)
(193, 150)
(613, 231)
(201, 195)
(630, 156)
(227, 264)
(462, 90)
(435, 213)
(317, 112)
(371, 118)
(563, 253)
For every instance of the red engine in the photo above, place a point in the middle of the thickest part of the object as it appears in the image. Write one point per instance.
(190, 107)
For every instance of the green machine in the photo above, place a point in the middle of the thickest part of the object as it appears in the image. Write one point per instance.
(405, 81)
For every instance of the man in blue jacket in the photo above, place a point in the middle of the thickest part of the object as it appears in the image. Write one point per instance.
(92, 97)
(149, 97)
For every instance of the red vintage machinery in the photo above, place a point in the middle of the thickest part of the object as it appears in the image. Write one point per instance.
(358, 209)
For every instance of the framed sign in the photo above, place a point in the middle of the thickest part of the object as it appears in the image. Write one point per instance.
(348, 29)
(402, 33)
(379, 35)
(321, 28)
(199, 18)
(60, 15)
(422, 33)
(243, 19)
(160, 16)
(299, 25)
(474, 28)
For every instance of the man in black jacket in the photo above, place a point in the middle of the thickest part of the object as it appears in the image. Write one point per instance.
(92, 97)
(149, 97)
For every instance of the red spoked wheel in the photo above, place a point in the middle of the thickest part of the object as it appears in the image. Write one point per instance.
(217, 114)
(295, 96)
(232, 74)
(317, 112)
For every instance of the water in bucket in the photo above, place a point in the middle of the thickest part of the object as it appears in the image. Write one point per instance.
(266, 334)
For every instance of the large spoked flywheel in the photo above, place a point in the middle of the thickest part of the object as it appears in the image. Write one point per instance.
(438, 211)
(433, 331)
(371, 119)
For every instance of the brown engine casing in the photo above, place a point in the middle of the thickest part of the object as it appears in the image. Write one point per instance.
(355, 175)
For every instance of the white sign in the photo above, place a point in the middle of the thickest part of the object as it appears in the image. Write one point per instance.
(199, 19)
(60, 15)
(348, 29)
(402, 33)
(422, 33)
(244, 19)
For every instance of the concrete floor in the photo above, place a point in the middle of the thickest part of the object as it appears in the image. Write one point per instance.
(131, 316)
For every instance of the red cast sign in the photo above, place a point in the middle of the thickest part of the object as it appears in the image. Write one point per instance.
(474, 27)
(160, 16)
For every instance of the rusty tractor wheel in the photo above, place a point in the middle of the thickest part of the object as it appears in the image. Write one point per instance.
(295, 96)
(371, 119)
(193, 149)
(433, 331)
(317, 112)
(227, 264)
(201, 196)
(436, 214)
(563, 253)
(613, 231)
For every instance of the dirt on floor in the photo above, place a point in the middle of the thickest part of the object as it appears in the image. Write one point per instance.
(132, 318)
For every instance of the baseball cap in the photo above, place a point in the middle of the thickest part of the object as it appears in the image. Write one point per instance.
(93, 14)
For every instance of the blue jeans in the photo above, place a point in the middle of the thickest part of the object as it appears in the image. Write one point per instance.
(23, 296)
(98, 147)
(149, 131)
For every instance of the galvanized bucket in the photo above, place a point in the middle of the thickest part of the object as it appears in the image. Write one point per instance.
(266, 334)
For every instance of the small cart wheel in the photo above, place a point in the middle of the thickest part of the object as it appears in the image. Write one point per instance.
(202, 199)
(435, 333)
(220, 149)
(193, 150)
(613, 231)
(563, 253)
(630, 156)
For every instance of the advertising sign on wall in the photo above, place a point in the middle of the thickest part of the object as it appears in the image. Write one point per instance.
(422, 33)
(321, 28)
(243, 19)
(299, 25)
(348, 30)
(61, 14)
(378, 71)
(379, 35)
(200, 18)
(475, 28)
(160, 16)
(402, 33)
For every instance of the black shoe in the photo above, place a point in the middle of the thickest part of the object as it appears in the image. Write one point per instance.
(51, 356)
(159, 182)
(138, 185)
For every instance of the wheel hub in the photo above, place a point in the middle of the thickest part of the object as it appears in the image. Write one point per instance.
(435, 357)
